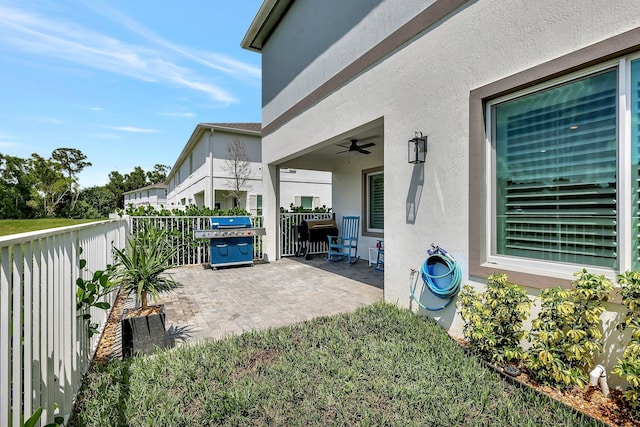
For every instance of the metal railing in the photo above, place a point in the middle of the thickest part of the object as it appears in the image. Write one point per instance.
(44, 346)
(191, 250)
(289, 233)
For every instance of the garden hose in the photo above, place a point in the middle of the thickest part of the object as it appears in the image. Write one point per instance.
(441, 275)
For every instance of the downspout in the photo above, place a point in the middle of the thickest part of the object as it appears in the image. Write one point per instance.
(211, 190)
(599, 376)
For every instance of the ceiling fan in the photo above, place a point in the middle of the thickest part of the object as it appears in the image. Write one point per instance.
(355, 147)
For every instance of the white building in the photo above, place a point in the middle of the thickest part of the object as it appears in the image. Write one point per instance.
(528, 108)
(154, 195)
(201, 175)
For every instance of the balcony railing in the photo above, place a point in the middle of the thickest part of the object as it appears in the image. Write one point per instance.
(190, 250)
(289, 232)
(44, 347)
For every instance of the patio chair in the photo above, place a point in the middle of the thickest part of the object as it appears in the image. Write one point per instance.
(345, 245)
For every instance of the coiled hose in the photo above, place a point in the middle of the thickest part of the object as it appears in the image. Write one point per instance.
(442, 276)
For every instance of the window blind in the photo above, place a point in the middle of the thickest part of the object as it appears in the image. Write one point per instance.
(556, 173)
(376, 201)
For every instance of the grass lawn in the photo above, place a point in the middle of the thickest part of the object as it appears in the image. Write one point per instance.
(14, 226)
(378, 366)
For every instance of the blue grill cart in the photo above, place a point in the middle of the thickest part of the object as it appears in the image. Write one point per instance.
(230, 240)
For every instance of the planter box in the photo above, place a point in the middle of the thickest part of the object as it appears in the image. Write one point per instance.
(143, 334)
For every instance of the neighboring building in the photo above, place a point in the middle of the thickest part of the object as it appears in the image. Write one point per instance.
(530, 109)
(201, 177)
(154, 195)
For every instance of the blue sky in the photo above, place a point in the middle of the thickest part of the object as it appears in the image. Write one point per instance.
(124, 81)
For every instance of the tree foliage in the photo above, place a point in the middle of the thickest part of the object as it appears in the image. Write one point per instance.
(15, 188)
(159, 174)
(50, 184)
(38, 187)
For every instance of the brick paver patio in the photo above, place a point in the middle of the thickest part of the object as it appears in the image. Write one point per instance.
(215, 303)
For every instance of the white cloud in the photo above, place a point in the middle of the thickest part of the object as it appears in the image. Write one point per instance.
(105, 135)
(75, 44)
(211, 60)
(48, 120)
(9, 141)
(8, 144)
(185, 114)
(132, 129)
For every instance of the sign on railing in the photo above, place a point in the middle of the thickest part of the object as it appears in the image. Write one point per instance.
(289, 232)
(44, 346)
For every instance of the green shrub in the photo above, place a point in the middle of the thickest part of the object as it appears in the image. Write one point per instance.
(493, 318)
(141, 267)
(568, 331)
(629, 367)
(89, 293)
(190, 210)
(300, 209)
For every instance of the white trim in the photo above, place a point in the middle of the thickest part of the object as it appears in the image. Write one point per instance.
(624, 165)
(367, 200)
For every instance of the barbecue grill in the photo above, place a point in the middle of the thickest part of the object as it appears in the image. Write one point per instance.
(314, 230)
(231, 240)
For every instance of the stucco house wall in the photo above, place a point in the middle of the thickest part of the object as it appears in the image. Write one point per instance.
(152, 195)
(199, 175)
(416, 66)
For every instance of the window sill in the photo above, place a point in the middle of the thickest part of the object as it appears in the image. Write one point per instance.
(373, 234)
(538, 278)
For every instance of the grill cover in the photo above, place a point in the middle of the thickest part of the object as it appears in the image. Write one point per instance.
(230, 222)
(317, 230)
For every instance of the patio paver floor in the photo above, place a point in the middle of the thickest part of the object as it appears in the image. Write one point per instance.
(211, 304)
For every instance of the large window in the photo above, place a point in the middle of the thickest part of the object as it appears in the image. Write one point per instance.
(564, 171)
(373, 188)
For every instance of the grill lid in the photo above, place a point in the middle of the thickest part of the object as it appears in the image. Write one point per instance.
(218, 222)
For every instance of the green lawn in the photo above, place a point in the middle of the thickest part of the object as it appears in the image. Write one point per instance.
(14, 226)
(378, 366)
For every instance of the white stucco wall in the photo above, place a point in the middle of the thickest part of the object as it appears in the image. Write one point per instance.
(359, 26)
(203, 170)
(155, 197)
(424, 86)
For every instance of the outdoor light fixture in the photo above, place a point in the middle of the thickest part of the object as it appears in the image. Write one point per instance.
(417, 148)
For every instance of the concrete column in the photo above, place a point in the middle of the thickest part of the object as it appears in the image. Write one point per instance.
(271, 212)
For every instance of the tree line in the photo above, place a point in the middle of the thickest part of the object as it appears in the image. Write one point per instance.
(38, 187)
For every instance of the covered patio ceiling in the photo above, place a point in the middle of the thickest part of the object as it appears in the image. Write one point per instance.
(325, 155)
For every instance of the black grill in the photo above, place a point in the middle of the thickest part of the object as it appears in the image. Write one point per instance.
(314, 230)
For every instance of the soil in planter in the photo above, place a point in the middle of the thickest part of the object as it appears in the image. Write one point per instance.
(141, 312)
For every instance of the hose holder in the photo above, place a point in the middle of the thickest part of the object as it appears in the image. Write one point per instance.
(436, 282)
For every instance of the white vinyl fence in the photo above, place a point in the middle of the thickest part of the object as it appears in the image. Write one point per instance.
(289, 232)
(44, 348)
(181, 228)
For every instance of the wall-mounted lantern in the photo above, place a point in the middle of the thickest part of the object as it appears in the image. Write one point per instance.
(417, 148)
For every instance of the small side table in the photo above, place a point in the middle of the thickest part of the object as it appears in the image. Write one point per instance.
(380, 258)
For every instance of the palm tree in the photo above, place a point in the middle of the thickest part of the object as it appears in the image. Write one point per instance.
(141, 267)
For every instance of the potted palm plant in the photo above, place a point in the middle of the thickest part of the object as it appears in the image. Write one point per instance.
(142, 268)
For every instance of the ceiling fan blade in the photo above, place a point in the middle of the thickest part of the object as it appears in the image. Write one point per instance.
(364, 151)
(370, 144)
(344, 146)
(343, 151)
(368, 138)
